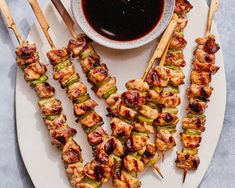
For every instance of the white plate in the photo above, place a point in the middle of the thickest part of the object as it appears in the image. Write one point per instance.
(43, 160)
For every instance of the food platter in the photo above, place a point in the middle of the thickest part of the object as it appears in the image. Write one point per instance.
(43, 161)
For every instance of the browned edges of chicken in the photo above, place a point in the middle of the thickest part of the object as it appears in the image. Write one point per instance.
(71, 152)
(196, 106)
(90, 62)
(166, 119)
(97, 171)
(199, 91)
(164, 140)
(187, 161)
(207, 67)
(143, 128)
(123, 179)
(44, 90)
(75, 173)
(200, 78)
(84, 107)
(98, 74)
(96, 136)
(84, 185)
(175, 57)
(110, 146)
(153, 96)
(204, 57)
(50, 106)
(150, 155)
(34, 71)
(148, 112)
(176, 77)
(159, 77)
(138, 85)
(76, 90)
(136, 142)
(182, 6)
(55, 123)
(170, 100)
(132, 98)
(131, 163)
(76, 46)
(90, 119)
(58, 55)
(178, 42)
(209, 44)
(190, 141)
(194, 123)
(120, 128)
(113, 102)
(65, 72)
(127, 113)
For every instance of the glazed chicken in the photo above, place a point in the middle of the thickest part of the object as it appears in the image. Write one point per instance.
(132, 98)
(166, 119)
(58, 55)
(196, 106)
(120, 128)
(176, 77)
(164, 140)
(132, 164)
(98, 74)
(170, 100)
(91, 119)
(75, 173)
(76, 90)
(194, 123)
(96, 137)
(200, 78)
(50, 106)
(182, 6)
(138, 85)
(199, 91)
(44, 90)
(175, 58)
(178, 42)
(159, 77)
(34, 71)
(187, 161)
(84, 107)
(123, 179)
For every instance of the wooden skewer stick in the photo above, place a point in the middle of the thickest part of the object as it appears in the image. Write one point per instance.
(163, 58)
(163, 155)
(162, 45)
(9, 20)
(158, 170)
(42, 21)
(65, 16)
(213, 8)
(185, 174)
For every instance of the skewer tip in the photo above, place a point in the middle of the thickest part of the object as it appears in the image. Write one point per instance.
(163, 155)
(185, 174)
(158, 170)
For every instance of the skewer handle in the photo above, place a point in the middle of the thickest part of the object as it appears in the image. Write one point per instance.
(65, 16)
(42, 20)
(213, 8)
(9, 20)
(163, 58)
(161, 45)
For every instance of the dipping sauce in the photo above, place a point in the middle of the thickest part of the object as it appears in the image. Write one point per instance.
(123, 20)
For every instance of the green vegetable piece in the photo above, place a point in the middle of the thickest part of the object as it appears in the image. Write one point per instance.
(172, 89)
(73, 79)
(105, 81)
(139, 134)
(173, 67)
(111, 91)
(42, 102)
(170, 110)
(135, 155)
(158, 89)
(191, 151)
(133, 174)
(192, 132)
(87, 52)
(42, 79)
(117, 162)
(62, 65)
(53, 117)
(82, 98)
(144, 119)
(94, 183)
(125, 120)
(151, 105)
(169, 128)
(85, 115)
(91, 129)
(190, 115)
(152, 161)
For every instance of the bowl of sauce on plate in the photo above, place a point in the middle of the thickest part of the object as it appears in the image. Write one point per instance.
(123, 24)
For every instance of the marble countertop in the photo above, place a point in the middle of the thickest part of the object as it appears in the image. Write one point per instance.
(13, 173)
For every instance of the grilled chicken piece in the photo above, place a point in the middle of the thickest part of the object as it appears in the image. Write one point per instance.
(159, 77)
(123, 179)
(143, 127)
(120, 128)
(196, 107)
(181, 24)
(84, 185)
(58, 55)
(178, 42)
(56, 123)
(136, 142)
(176, 77)
(138, 85)
(110, 145)
(75, 173)
(97, 171)
(149, 153)
(148, 112)
(67, 71)
(61, 135)
(76, 46)
(34, 71)
(82, 108)
(90, 62)
(190, 141)
(197, 91)
(200, 78)
(44, 90)
(71, 152)
(91, 120)
(176, 58)
(204, 57)
(126, 112)
(132, 98)
(50, 106)
(104, 88)
(209, 44)
(194, 123)
(182, 6)
(98, 74)
(113, 103)
(153, 96)
(24, 61)
(187, 161)
(96, 136)
(166, 119)
(170, 100)
(207, 67)
(25, 49)
(164, 140)
(76, 90)
(130, 163)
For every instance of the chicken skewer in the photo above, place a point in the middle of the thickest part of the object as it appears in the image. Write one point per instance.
(165, 79)
(198, 95)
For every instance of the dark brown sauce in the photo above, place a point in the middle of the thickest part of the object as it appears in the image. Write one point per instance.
(123, 20)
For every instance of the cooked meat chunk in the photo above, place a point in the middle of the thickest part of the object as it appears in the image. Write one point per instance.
(150, 155)
(65, 72)
(170, 100)
(130, 163)
(182, 23)
(197, 91)
(136, 142)
(148, 112)
(126, 112)
(84, 185)
(123, 180)
(194, 123)
(143, 127)
(26, 50)
(166, 119)
(98, 74)
(165, 140)
(34, 71)
(82, 108)
(191, 141)
(71, 152)
(90, 62)
(203, 56)
(96, 136)
(200, 78)
(176, 58)
(75, 173)
(50, 106)
(178, 42)
(159, 77)
(58, 55)
(132, 98)
(56, 123)
(138, 85)
(196, 107)
(176, 77)
(113, 102)
(182, 6)
(76, 90)
(106, 87)
(120, 128)
(91, 119)
(153, 96)
(187, 161)
(44, 90)
(207, 67)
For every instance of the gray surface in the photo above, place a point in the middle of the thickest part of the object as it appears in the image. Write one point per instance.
(221, 172)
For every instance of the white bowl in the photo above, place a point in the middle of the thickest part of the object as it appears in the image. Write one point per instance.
(79, 16)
